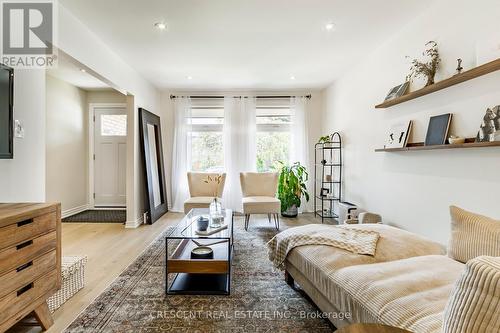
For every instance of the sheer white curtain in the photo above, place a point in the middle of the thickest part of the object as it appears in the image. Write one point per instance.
(239, 146)
(299, 143)
(181, 157)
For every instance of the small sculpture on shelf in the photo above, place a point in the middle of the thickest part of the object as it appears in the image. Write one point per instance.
(490, 127)
(459, 66)
(427, 68)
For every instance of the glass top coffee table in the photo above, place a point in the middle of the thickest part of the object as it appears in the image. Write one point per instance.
(199, 276)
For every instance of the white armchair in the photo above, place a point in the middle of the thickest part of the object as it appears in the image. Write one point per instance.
(259, 196)
(202, 193)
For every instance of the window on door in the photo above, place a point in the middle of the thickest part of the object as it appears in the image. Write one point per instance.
(273, 135)
(207, 150)
(114, 125)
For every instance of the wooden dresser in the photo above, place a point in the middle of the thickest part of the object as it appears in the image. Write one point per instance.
(30, 261)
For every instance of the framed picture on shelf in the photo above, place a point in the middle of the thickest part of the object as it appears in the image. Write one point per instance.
(397, 91)
(437, 131)
(398, 135)
(324, 192)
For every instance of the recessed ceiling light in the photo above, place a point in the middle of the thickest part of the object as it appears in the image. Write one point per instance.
(161, 25)
(189, 77)
(292, 77)
(83, 70)
(330, 26)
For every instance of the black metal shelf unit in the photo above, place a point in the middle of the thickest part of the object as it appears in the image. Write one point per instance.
(328, 175)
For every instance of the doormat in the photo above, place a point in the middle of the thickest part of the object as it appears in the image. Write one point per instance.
(98, 216)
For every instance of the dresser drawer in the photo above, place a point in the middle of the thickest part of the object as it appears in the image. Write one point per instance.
(27, 272)
(17, 300)
(21, 253)
(27, 229)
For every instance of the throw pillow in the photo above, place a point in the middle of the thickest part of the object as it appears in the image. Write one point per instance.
(473, 304)
(473, 235)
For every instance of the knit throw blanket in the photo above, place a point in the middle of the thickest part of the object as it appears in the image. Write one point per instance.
(344, 237)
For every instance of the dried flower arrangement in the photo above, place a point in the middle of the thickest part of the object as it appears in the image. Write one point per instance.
(427, 69)
(217, 180)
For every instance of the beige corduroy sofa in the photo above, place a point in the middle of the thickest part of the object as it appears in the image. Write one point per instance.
(410, 283)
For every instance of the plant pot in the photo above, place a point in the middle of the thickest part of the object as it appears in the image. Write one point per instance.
(290, 212)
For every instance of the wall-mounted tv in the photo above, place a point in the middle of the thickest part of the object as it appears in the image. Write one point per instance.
(6, 112)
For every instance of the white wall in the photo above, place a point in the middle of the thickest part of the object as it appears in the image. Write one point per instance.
(77, 40)
(314, 112)
(414, 189)
(67, 140)
(23, 178)
(81, 43)
(67, 145)
(105, 96)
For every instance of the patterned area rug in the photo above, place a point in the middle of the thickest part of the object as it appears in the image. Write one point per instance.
(99, 216)
(260, 300)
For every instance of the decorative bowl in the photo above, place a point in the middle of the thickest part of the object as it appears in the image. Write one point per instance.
(202, 252)
(456, 140)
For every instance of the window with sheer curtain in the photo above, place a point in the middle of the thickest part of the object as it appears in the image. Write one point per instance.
(273, 135)
(207, 147)
(232, 135)
(207, 144)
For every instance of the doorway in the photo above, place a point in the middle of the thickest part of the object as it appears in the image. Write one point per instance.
(109, 156)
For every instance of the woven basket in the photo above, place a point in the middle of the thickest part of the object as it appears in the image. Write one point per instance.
(73, 279)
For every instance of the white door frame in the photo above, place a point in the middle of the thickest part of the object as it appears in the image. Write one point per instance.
(92, 107)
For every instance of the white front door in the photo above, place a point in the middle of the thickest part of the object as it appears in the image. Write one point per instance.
(110, 147)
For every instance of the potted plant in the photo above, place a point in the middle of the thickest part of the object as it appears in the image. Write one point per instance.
(326, 140)
(291, 188)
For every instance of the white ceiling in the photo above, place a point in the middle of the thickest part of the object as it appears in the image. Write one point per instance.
(68, 71)
(243, 44)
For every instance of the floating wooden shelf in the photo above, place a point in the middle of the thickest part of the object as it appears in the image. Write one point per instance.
(469, 143)
(459, 78)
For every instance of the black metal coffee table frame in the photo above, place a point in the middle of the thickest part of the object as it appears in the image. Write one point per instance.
(199, 276)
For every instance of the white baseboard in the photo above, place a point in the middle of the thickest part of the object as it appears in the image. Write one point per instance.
(73, 211)
(134, 224)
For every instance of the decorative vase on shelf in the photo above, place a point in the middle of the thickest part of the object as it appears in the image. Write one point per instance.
(216, 214)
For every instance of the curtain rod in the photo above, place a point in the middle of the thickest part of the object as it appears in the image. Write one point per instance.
(258, 97)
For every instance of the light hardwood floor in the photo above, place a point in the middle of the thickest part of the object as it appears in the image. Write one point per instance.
(110, 249)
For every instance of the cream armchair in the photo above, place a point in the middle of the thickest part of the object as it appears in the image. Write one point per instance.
(202, 193)
(259, 196)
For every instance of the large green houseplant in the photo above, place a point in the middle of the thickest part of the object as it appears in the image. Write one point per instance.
(291, 188)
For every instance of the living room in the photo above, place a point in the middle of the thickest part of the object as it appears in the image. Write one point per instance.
(278, 166)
